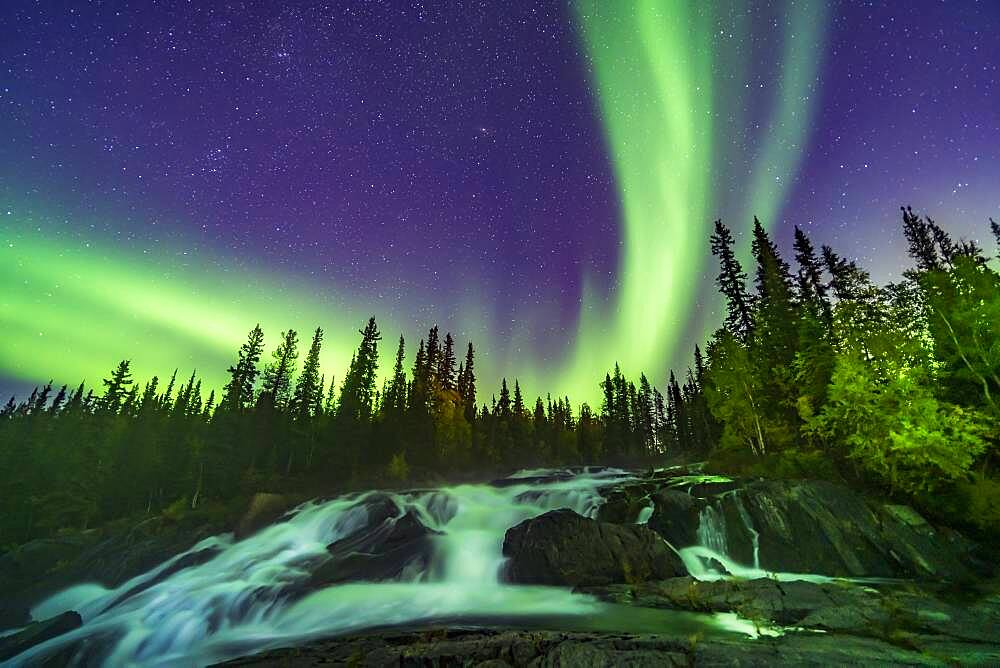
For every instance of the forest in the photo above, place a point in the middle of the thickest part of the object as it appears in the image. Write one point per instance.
(817, 372)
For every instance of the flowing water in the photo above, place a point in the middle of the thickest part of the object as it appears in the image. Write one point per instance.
(226, 598)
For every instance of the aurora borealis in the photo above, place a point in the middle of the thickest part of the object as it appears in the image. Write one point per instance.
(540, 179)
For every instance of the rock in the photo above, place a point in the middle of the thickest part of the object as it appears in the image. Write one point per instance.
(798, 526)
(564, 548)
(264, 509)
(675, 517)
(37, 633)
(14, 612)
(623, 505)
(545, 649)
(395, 549)
(766, 600)
(127, 554)
(839, 607)
(109, 562)
(189, 560)
(26, 565)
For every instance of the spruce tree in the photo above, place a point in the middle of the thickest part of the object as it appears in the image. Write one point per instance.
(468, 390)
(920, 238)
(503, 405)
(276, 386)
(165, 399)
(147, 402)
(418, 397)
(518, 408)
(243, 375)
(732, 282)
(433, 352)
(357, 396)
(446, 364)
(38, 406)
(116, 388)
(330, 405)
(75, 403)
(847, 279)
(58, 401)
(309, 386)
(812, 291)
(775, 334)
(646, 417)
(395, 400)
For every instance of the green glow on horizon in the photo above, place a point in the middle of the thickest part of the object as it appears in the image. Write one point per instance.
(655, 65)
(71, 310)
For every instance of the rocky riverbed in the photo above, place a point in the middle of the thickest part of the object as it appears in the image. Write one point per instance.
(595, 567)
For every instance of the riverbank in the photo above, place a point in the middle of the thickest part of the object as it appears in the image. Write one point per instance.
(669, 566)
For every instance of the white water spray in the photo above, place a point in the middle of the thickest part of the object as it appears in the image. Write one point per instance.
(225, 598)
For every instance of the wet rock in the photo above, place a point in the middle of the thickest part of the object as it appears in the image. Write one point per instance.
(799, 526)
(37, 633)
(675, 517)
(189, 560)
(540, 649)
(820, 527)
(39, 557)
(109, 562)
(129, 553)
(839, 607)
(396, 549)
(564, 548)
(622, 506)
(848, 608)
(26, 565)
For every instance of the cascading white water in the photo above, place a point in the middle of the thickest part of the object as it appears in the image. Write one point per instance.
(712, 529)
(252, 595)
(709, 559)
(748, 525)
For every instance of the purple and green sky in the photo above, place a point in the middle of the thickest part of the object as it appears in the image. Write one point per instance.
(538, 177)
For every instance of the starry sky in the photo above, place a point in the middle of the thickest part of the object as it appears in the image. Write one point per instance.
(538, 177)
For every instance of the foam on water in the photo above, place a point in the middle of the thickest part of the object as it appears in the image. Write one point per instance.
(246, 596)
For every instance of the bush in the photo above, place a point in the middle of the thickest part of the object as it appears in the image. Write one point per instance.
(982, 502)
(399, 470)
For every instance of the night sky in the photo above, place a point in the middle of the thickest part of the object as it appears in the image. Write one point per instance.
(539, 177)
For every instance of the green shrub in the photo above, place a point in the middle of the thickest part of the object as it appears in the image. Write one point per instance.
(982, 497)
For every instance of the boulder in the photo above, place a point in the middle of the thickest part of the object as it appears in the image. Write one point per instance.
(564, 548)
(675, 517)
(397, 548)
(37, 633)
(623, 505)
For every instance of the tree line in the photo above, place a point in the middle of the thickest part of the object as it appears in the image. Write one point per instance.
(817, 371)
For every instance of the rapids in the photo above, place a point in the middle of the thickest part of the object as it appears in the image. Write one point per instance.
(225, 598)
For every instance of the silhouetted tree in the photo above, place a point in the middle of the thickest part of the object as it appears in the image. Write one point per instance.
(732, 282)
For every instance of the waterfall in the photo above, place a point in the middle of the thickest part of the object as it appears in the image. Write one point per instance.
(748, 525)
(241, 597)
(645, 514)
(712, 529)
(709, 559)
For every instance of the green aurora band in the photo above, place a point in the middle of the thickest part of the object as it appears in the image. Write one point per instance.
(71, 310)
(670, 78)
